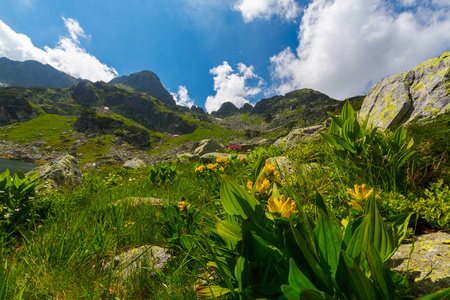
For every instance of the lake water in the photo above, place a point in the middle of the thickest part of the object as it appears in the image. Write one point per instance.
(15, 165)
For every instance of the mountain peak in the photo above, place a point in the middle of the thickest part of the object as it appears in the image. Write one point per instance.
(145, 82)
(31, 73)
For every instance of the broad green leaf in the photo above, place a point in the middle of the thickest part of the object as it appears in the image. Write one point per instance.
(441, 295)
(258, 168)
(339, 121)
(352, 281)
(291, 293)
(228, 230)
(399, 227)
(379, 274)
(345, 145)
(334, 128)
(372, 230)
(310, 262)
(236, 201)
(328, 242)
(350, 131)
(212, 291)
(399, 136)
(297, 279)
(347, 111)
(270, 249)
(330, 139)
(314, 295)
(238, 270)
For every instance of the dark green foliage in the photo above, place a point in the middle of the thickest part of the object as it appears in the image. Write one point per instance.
(163, 173)
(16, 201)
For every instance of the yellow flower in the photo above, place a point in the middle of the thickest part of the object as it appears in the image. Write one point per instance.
(281, 206)
(212, 167)
(221, 160)
(249, 186)
(360, 193)
(244, 159)
(271, 172)
(221, 169)
(263, 186)
(200, 169)
(183, 205)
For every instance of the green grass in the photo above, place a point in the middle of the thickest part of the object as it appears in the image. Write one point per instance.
(62, 253)
(47, 127)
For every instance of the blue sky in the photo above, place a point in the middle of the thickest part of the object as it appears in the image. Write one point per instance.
(211, 51)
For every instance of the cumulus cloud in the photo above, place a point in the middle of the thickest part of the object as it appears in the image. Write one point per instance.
(182, 98)
(265, 9)
(67, 56)
(233, 86)
(348, 45)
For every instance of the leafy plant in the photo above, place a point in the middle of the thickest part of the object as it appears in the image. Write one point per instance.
(16, 199)
(163, 173)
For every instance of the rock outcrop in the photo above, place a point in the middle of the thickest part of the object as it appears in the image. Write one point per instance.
(61, 173)
(145, 82)
(430, 262)
(207, 146)
(412, 95)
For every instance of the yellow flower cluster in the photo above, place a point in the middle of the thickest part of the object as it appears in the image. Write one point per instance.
(281, 207)
(263, 184)
(200, 169)
(220, 165)
(183, 205)
(271, 172)
(360, 194)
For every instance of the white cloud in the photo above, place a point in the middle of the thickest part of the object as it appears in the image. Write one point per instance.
(67, 56)
(265, 9)
(231, 86)
(348, 45)
(182, 98)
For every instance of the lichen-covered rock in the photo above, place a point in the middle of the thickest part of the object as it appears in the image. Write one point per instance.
(137, 201)
(140, 258)
(412, 95)
(430, 261)
(306, 134)
(63, 172)
(134, 164)
(208, 146)
(284, 165)
(211, 157)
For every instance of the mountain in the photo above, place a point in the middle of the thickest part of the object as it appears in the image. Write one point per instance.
(412, 95)
(145, 82)
(295, 109)
(18, 104)
(32, 73)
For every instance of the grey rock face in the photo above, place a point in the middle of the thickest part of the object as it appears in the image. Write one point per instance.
(297, 136)
(63, 172)
(134, 164)
(211, 157)
(430, 261)
(412, 95)
(208, 146)
(139, 259)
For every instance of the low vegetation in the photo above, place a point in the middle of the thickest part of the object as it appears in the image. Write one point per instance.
(237, 228)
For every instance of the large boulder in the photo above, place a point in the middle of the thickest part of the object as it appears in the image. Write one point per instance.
(429, 264)
(300, 135)
(63, 172)
(208, 146)
(134, 163)
(140, 259)
(412, 95)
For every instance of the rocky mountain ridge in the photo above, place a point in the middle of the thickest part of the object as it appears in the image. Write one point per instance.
(412, 95)
(145, 82)
(31, 73)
